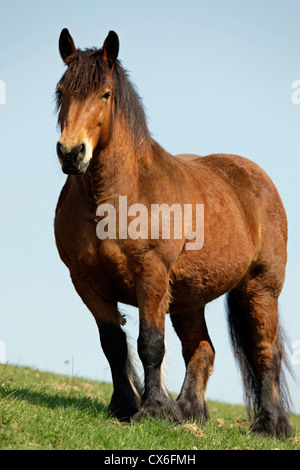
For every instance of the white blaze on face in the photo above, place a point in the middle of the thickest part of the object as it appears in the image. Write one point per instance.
(79, 128)
(88, 152)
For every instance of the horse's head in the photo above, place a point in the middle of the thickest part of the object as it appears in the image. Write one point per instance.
(85, 99)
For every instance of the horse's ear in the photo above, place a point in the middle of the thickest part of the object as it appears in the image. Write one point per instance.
(111, 48)
(66, 44)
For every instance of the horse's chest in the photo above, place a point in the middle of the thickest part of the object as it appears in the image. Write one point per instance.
(75, 235)
(102, 262)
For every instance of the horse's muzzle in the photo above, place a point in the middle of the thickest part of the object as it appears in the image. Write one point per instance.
(72, 160)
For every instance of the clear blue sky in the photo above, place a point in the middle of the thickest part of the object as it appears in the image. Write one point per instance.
(215, 76)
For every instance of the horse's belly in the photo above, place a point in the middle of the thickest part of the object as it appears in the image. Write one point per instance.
(199, 280)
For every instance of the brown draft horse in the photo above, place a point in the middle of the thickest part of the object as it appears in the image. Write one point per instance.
(107, 151)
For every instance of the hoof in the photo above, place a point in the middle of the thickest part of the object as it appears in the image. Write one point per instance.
(166, 409)
(193, 410)
(121, 410)
(268, 425)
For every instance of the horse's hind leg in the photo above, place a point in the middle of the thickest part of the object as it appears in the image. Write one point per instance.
(198, 354)
(258, 346)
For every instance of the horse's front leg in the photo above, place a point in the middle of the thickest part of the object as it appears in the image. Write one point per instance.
(153, 297)
(126, 395)
(124, 401)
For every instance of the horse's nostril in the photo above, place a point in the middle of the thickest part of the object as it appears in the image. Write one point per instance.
(62, 151)
(59, 150)
(81, 149)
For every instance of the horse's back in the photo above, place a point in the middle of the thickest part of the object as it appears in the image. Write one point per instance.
(247, 180)
(254, 189)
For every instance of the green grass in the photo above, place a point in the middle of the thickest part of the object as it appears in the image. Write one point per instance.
(42, 411)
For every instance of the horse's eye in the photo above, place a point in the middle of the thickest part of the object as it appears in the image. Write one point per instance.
(106, 96)
(60, 89)
(59, 93)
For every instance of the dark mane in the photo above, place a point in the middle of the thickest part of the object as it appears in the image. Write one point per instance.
(87, 72)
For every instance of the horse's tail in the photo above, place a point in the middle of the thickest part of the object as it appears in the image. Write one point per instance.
(133, 375)
(242, 349)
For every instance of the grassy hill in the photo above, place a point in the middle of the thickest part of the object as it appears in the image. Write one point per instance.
(42, 411)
